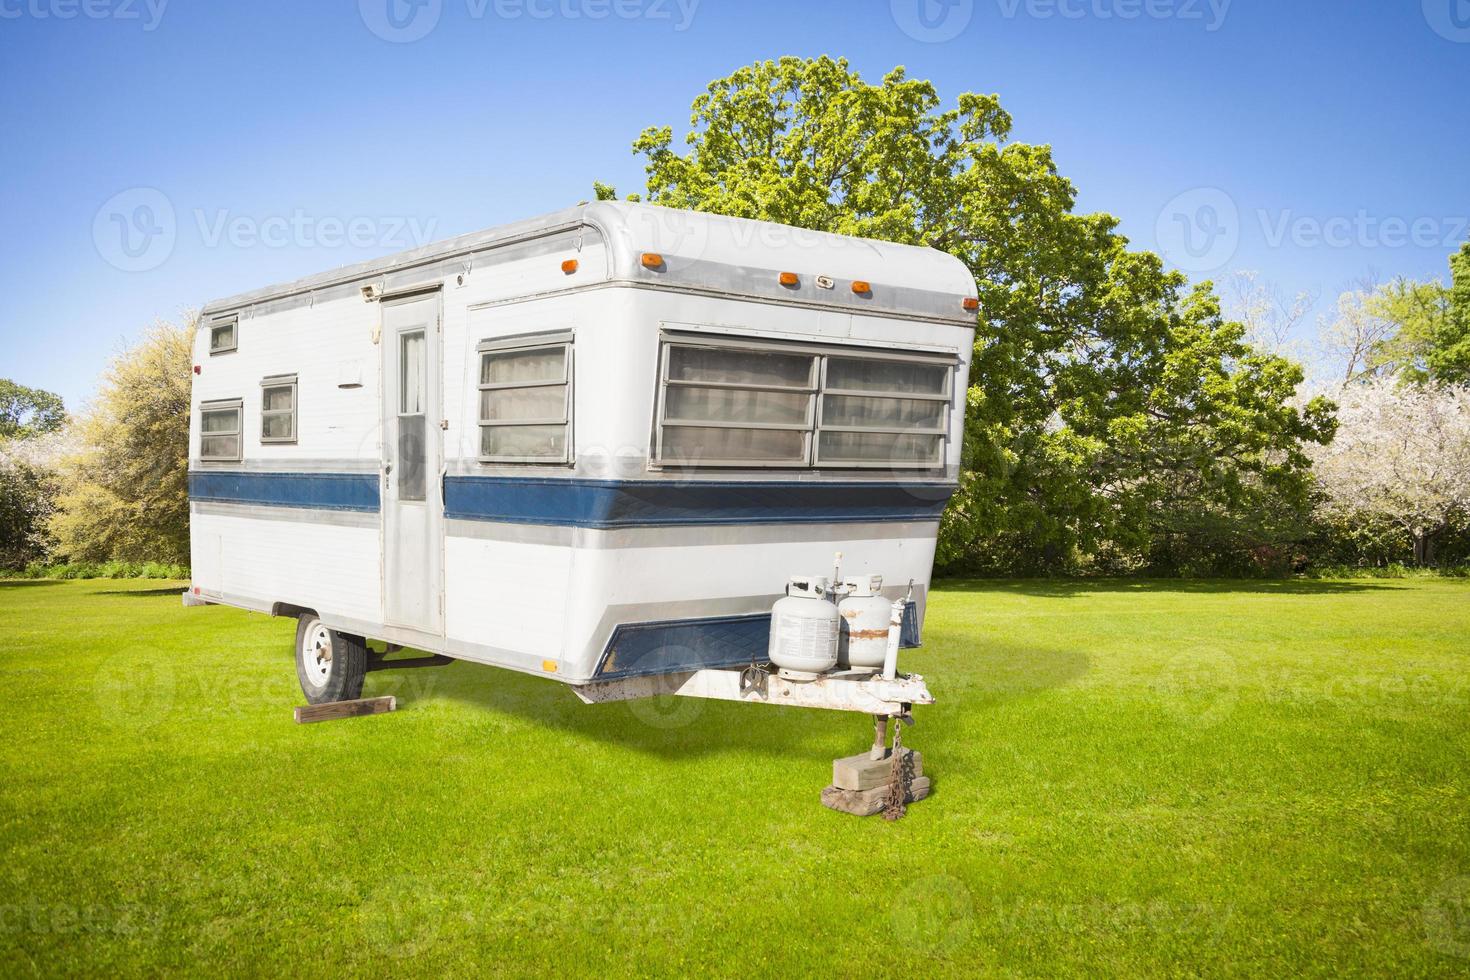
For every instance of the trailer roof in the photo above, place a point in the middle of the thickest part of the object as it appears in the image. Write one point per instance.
(702, 251)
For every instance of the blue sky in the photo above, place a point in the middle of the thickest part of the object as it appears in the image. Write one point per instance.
(160, 153)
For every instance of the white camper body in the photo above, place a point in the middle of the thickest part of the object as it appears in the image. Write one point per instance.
(591, 446)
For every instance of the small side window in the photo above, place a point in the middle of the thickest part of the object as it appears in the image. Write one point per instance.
(219, 430)
(223, 335)
(526, 400)
(278, 409)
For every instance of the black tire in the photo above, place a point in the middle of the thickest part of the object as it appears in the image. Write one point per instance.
(329, 665)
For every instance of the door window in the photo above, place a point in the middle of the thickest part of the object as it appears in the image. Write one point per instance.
(412, 423)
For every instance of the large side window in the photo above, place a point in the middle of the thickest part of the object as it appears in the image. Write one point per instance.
(224, 335)
(278, 408)
(724, 406)
(219, 430)
(733, 403)
(883, 412)
(526, 399)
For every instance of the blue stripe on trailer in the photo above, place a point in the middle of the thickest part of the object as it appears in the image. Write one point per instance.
(675, 646)
(594, 503)
(321, 491)
(648, 503)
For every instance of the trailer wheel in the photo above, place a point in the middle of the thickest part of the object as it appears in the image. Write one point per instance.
(329, 665)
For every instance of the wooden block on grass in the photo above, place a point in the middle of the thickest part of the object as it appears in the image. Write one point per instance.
(858, 772)
(308, 713)
(865, 803)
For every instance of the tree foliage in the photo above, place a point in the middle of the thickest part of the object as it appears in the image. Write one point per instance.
(124, 491)
(28, 490)
(1352, 339)
(1427, 326)
(1114, 414)
(26, 412)
(29, 420)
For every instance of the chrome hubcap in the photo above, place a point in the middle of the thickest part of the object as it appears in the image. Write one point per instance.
(318, 659)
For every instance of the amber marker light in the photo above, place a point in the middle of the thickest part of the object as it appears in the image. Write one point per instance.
(971, 304)
(789, 279)
(653, 260)
(862, 286)
(569, 266)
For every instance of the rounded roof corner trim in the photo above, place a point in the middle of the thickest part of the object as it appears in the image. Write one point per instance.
(739, 256)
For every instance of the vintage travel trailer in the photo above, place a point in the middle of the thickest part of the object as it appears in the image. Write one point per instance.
(597, 446)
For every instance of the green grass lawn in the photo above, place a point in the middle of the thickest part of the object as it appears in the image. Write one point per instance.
(1181, 778)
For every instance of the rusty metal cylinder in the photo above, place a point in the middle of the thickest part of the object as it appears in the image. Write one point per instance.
(862, 640)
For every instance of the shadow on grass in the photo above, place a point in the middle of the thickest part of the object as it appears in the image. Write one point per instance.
(673, 727)
(1071, 588)
(19, 583)
(667, 726)
(145, 593)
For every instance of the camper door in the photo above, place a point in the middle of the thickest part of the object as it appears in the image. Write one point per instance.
(413, 501)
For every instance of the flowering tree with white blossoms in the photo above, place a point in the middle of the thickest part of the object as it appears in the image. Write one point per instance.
(1402, 454)
(28, 487)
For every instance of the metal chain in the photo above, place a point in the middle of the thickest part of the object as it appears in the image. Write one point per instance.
(901, 777)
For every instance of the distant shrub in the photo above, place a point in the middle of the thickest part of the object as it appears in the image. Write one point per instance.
(106, 569)
(1392, 570)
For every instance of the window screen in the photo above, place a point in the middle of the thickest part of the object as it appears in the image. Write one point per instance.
(219, 430)
(222, 335)
(525, 402)
(883, 412)
(278, 409)
(724, 405)
(731, 405)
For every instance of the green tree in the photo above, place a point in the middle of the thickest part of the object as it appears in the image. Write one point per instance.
(1110, 407)
(124, 495)
(1450, 361)
(1430, 326)
(607, 192)
(28, 411)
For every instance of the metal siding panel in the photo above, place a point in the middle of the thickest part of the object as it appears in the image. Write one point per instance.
(730, 578)
(329, 568)
(508, 595)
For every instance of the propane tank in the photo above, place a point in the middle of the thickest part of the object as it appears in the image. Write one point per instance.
(864, 614)
(804, 627)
